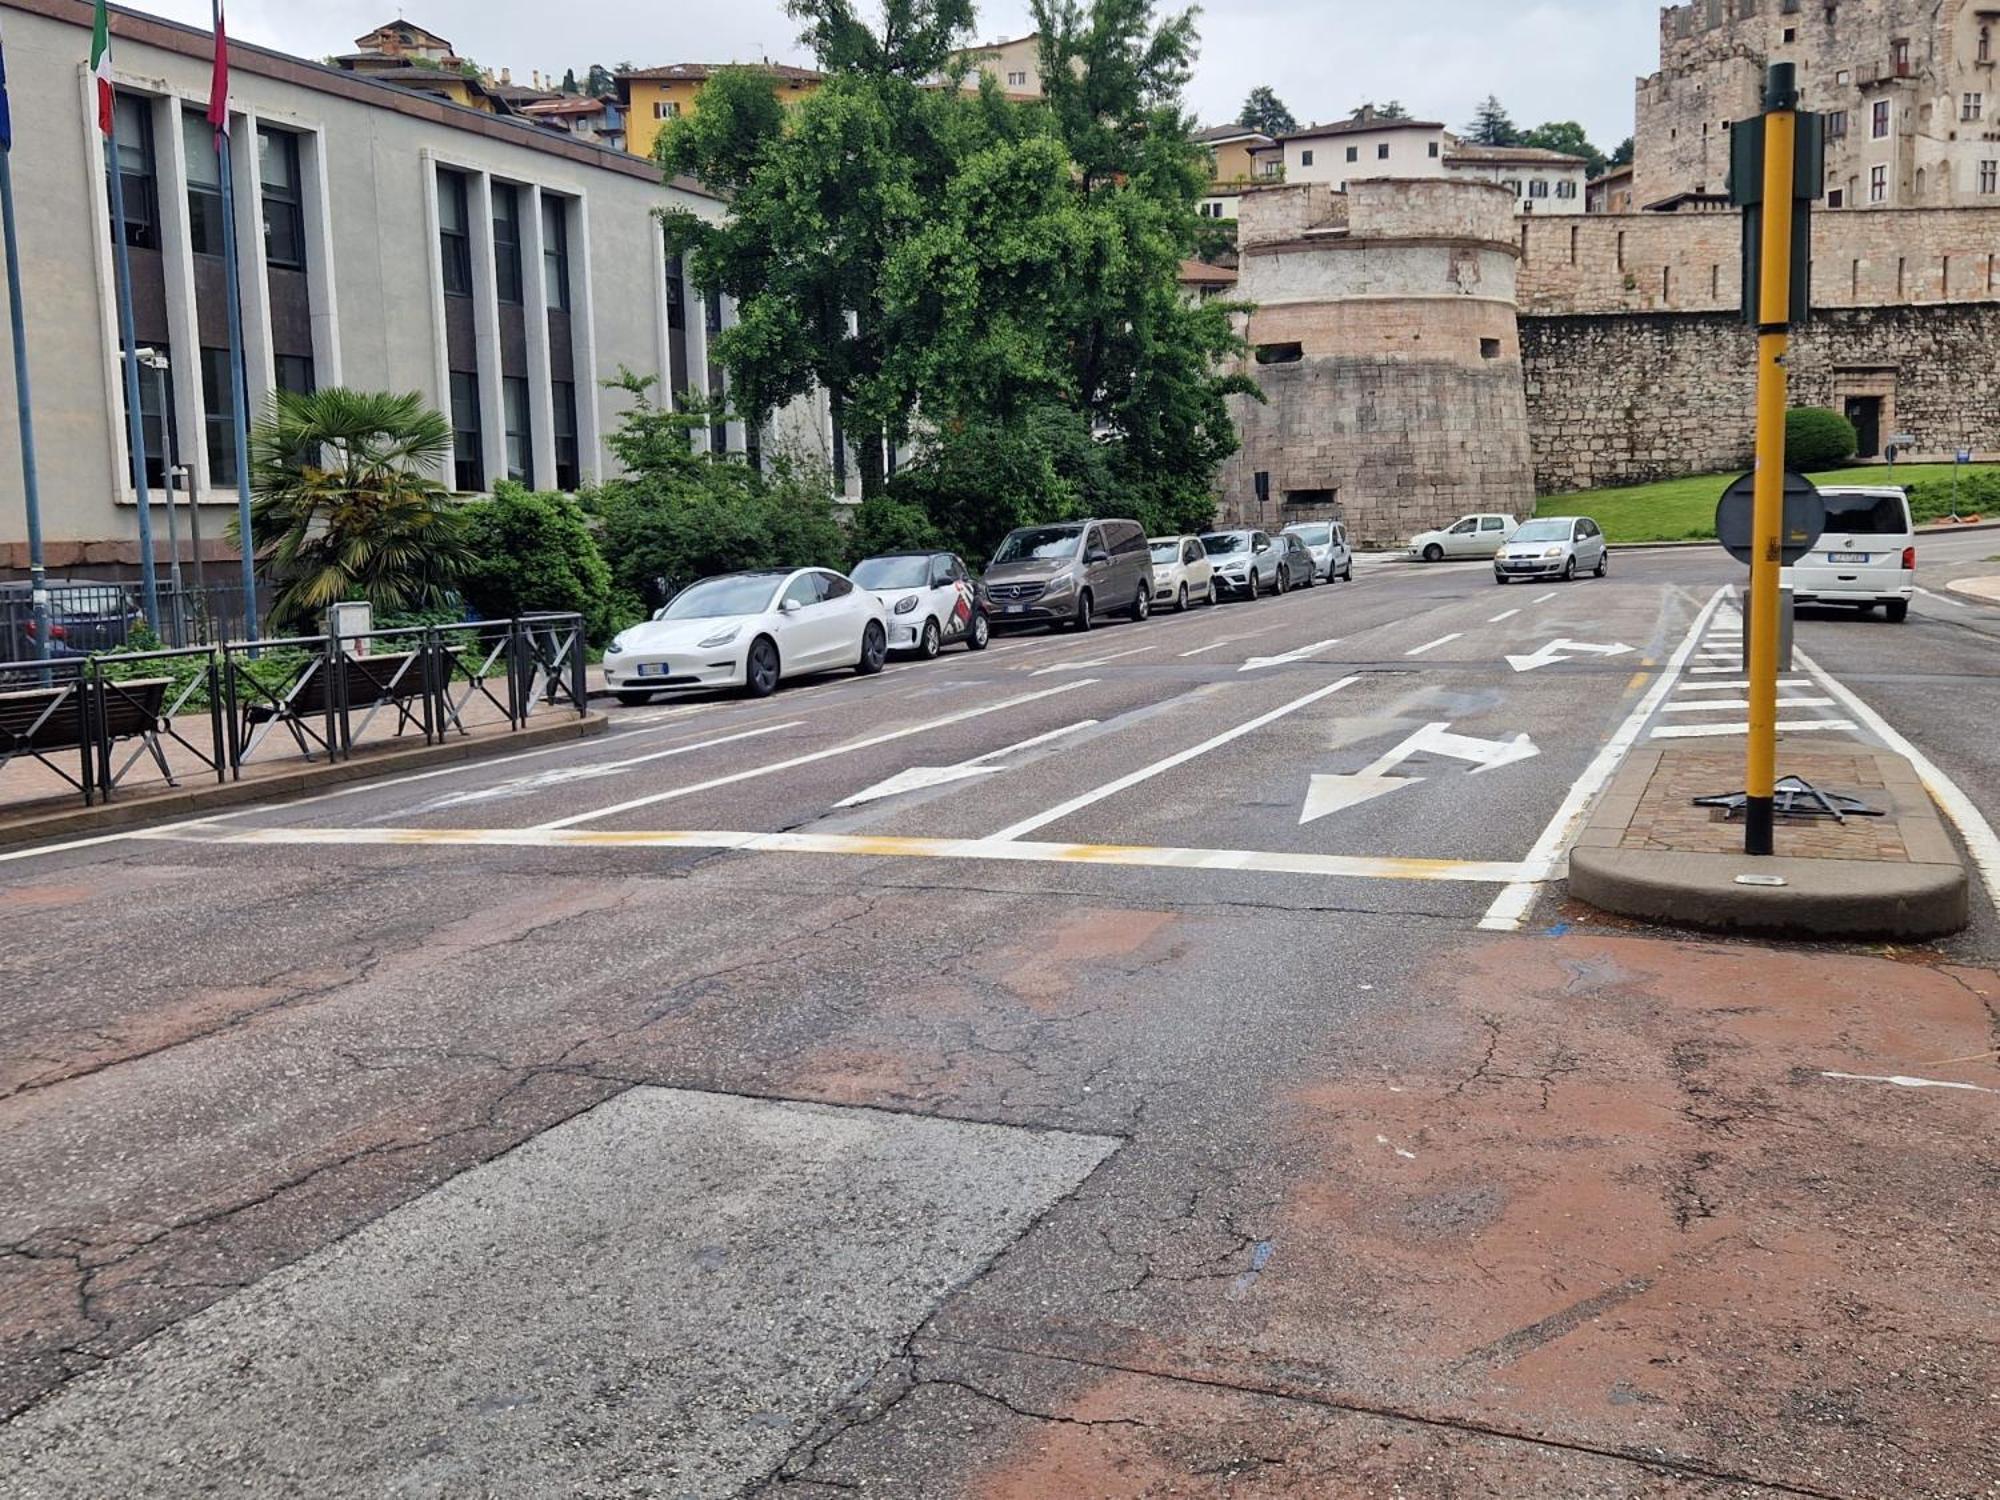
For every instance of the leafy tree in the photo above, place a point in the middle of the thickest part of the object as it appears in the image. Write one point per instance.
(886, 524)
(1568, 137)
(569, 83)
(1393, 110)
(600, 82)
(346, 504)
(1492, 126)
(978, 478)
(1622, 157)
(534, 552)
(1264, 111)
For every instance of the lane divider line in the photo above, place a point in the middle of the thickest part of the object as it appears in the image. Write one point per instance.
(1085, 666)
(1443, 640)
(1505, 614)
(1739, 705)
(590, 771)
(1722, 731)
(1545, 598)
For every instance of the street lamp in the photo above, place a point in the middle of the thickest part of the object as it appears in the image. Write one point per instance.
(156, 361)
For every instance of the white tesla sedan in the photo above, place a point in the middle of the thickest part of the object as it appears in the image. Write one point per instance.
(750, 631)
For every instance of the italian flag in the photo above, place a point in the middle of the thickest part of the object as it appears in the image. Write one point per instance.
(100, 65)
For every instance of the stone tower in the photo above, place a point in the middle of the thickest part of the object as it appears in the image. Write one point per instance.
(1386, 345)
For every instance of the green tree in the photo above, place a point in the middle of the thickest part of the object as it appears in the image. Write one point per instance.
(600, 82)
(1622, 157)
(1264, 111)
(535, 552)
(1492, 126)
(569, 83)
(1568, 137)
(1393, 110)
(346, 504)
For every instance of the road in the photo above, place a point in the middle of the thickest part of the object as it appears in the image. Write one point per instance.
(1149, 1062)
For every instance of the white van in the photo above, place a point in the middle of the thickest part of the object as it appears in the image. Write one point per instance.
(1867, 556)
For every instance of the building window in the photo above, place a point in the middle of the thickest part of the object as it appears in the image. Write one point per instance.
(454, 234)
(1566, 190)
(1489, 348)
(1836, 199)
(555, 252)
(520, 432)
(1878, 184)
(1836, 125)
(1989, 177)
(1881, 120)
(133, 117)
(1512, 185)
(666, 109)
(507, 241)
(204, 184)
(1539, 188)
(1354, 153)
(1986, 44)
(1017, 80)
(1280, 354)
(568, 476)
(218, 417)
(467, 441)
(1791, 35)
(1899, 56)
(1434, 150)
(1382, 152)
(1305, 158)
(1972, 107)
(295, 374)
(284, 204)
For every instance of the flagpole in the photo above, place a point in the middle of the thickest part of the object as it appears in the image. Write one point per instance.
(239, 395)
(38, 582)
(135, 421)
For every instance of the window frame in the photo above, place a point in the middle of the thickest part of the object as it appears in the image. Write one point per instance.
(284, 202)
(555, 253)
(568, 452)
(205, 226)
(468, 442)
(517, 427)
(141, 181)
(454, 193)
(508, 283)
(1881, 121)
(218, 418)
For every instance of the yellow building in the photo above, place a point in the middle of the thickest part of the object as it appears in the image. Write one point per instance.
(1015, 65)
(422, 61)
(653, 96)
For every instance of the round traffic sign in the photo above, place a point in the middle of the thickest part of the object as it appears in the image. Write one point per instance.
(1805, 518)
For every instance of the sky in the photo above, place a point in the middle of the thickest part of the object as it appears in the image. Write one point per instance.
(1546, 59)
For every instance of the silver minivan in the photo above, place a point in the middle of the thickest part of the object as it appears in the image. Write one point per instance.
(1071, 573)
(1866, 557)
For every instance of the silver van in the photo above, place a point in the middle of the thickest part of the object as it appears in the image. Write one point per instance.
(1071, 573)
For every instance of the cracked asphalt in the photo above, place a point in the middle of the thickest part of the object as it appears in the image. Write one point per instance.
(726, 1140)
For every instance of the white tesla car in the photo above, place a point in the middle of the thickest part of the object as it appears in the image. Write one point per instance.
(750, 631)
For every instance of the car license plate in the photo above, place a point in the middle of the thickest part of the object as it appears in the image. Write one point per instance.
(654, 669)
(1847, 557)
(1017, 609)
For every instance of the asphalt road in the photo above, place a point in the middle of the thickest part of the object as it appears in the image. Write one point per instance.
(1149, 1062)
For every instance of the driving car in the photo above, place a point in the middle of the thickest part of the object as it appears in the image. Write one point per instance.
(1866, 556)
(750, 631)
(1070, 573)
(1327, 542)
(1556, 547)
(1246, 562)
(933, 601)
(1182, 573)
(1469, 536)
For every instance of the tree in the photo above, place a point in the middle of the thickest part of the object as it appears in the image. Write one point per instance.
(347, 504)
(600, 82)
(535, 552)
(1393, 110)
(1568, 137)
(569, 83)
(1492, 126)
(1622, 157)
(1265, 112)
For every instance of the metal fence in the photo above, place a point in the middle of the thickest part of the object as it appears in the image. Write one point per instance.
(210, 711)
(85, 618)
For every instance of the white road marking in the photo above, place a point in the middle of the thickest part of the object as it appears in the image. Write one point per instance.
(818, 755)
(1697, 671)
(1085, 666)
(1505, 614)
(1331, 794)
(1443, 640)
(1228, 640)
(1941, 599)
(1562, 650)
(919, 778)
(1740, 685)
(1720, 731)
(567, 775)
(1545, 598)
(1737, 705)
(1258, 663)
(1510, 908)
(1160, 767)
(1903, 1082)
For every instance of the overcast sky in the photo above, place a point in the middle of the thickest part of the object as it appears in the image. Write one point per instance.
(1546, 59)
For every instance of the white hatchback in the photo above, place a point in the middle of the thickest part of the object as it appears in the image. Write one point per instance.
(1866, 557)
(1182, 573)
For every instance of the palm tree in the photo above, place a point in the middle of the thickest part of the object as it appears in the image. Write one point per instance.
(347, 504)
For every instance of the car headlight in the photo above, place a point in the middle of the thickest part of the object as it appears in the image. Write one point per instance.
(1553, 552)
(907, 606)
(1062, 583)
(720, 638)
(617, 645)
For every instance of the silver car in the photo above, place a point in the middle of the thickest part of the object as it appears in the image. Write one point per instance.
(1247, 563)
(1558, 547)
(1327, 542)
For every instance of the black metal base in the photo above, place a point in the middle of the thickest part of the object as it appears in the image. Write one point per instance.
(1760, 828)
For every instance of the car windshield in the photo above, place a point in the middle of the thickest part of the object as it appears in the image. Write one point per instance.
(892, 573)
(1222, 543)
(1167, 551)
(736, 594)
(1039, 544)
(1312, 536)
(1865, 515)
(1543, 531)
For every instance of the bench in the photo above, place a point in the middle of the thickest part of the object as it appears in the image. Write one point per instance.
(370, 682)
(45, 721)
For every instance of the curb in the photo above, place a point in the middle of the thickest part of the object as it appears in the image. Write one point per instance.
(193, 802)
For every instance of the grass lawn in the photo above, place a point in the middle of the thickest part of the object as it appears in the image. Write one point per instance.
(1677, 510)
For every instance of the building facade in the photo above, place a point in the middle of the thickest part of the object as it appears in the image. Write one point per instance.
(1015, 64)
(650, 97)
(1366, 146)
(388, 241)
(1542, 182)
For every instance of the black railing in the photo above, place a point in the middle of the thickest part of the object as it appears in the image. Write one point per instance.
(86, 618)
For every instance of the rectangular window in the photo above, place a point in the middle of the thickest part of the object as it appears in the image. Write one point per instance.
(156, 427)
(1017, 80)
(568, 474)
(1835, 198)
(1382, 152)
(295, 374)
(1305, 158)
(218, 418)
(467, 439)
(133, 119)
(555, 252)
(1972, 107)
(1878, 184)
(1434, 150)
(666, 109)
(1565, 190)
(284, 202)
(1989, 177)
(520, 432)
(204, 184)
(1899, 56)
(507, 241)
(455, 234)
(1836, 125)
(1880, 117)
(1354, 153)
(1539, 188)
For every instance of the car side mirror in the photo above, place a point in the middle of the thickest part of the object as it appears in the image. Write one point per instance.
(1096, 555)
(790, 607)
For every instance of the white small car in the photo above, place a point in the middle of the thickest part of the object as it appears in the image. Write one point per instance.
(1554, 547)
(931, 598)
(1327, 542)
(1866, 557)
(1182, 574)
(1469, 536)
(750, 631)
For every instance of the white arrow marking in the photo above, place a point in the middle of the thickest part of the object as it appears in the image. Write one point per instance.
(917, 778)
(1332, 794)
(1258, 663)
(1563, 650)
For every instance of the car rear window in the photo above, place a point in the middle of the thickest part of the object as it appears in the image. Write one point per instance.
(1866, 515)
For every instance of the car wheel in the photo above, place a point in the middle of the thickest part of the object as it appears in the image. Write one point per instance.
(1213, 597)
(1569, 570)
(1253, 588)
(1142, 606)
(932, 642)
(760, 670)
(1181, 601)
(874, 650)
(1347, 573)
(634, 700)
(981, 632)
(1284, 581)
(1898, 611)
(1603, 562)
(1433, 553)
(1085, 612)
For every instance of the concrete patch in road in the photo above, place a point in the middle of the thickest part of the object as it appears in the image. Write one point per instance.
(660, 1296)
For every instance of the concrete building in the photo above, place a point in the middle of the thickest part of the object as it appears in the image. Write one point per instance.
(1542, 182)
(389, 241)
(1015, 64)
(650, 97)
(1241, 158)
(1366, 146)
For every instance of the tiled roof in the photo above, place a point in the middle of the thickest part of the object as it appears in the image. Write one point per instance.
(1512, 155)
(1360, 127)
(699, 72)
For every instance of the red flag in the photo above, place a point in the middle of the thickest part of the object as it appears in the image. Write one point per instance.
(218, 84)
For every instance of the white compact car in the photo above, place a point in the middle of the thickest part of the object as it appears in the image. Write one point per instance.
(1468, 536)
(750, 631)
(1554, 547)
(1866, 557)
(1327, 542)
(1182, 573)
(931, 598)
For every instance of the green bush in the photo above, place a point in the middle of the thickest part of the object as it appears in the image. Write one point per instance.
(535, 552)
(884, 525)
(1978, 494)
(1816, 438)
(977, 481)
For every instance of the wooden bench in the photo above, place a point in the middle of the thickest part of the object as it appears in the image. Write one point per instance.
(370, 682)
(45, 721)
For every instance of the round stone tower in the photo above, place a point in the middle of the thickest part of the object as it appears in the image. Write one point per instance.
(1385, 341)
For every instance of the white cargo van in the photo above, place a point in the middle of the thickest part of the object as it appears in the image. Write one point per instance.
(1866, 557)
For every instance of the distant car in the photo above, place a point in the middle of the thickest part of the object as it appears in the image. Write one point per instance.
(84, 616)
(1071, 573)
(1866, 556)
(1182, 574)
(1469, 536)
(1301, 568)
(1558, 547)
(933, 601)
(1327, 541)
(1246, 562)
(750, 631)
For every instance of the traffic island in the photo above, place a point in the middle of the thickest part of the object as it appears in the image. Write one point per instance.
(1649, 851)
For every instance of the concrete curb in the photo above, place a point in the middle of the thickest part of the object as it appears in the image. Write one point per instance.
(194, 802)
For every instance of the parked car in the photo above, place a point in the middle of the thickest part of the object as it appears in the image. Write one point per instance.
(1246, 562)
(1070, 573)
(1182, 573)
(1558, 547)
(750, 631)
(933, 601)
(1866, 556)
(1301, 569)
(84, 616)
(1469, 536)
(1327, 541)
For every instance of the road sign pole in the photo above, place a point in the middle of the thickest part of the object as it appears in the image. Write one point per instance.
(1774, 325)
